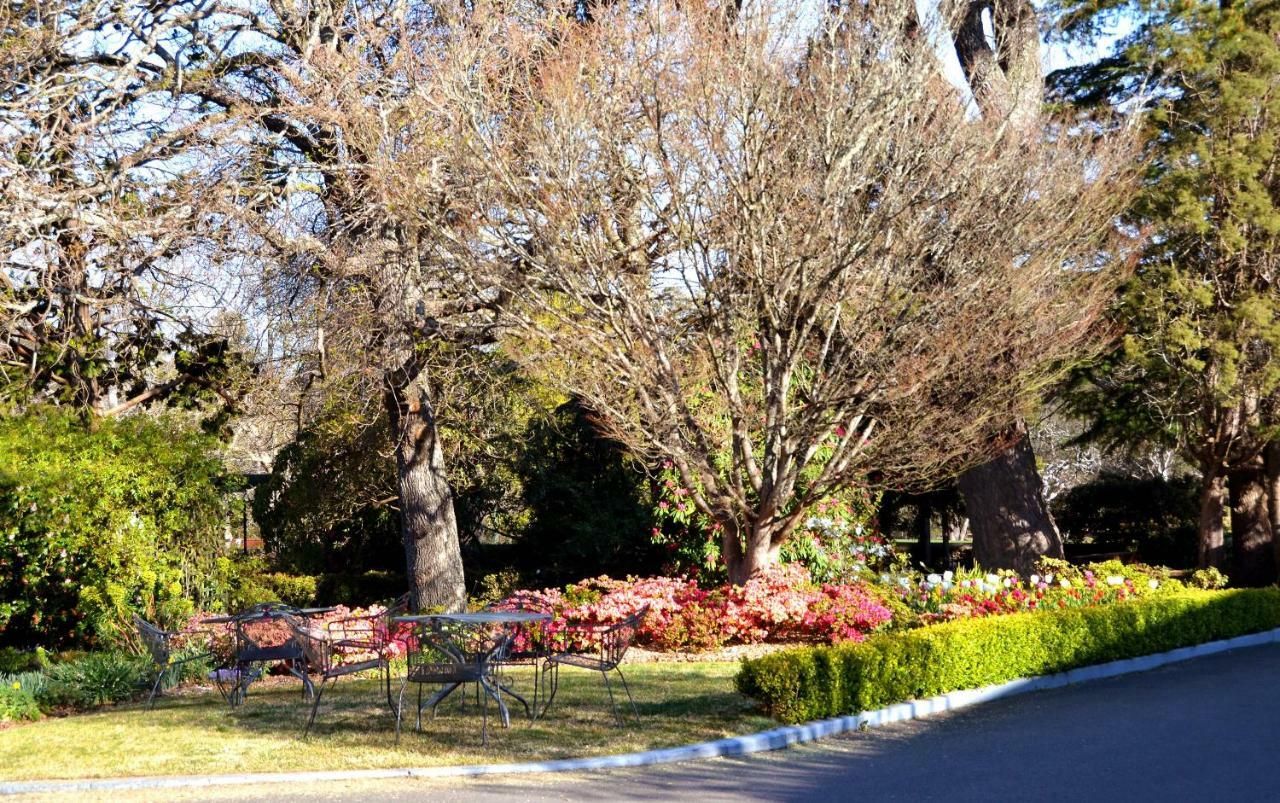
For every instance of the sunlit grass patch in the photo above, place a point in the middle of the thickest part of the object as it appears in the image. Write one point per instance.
(199, 734)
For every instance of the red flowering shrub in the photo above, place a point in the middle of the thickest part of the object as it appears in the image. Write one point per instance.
(780, 604)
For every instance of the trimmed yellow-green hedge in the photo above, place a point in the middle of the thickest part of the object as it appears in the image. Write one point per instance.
(818, 682)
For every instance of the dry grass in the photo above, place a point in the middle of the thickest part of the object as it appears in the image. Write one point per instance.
(197, 734)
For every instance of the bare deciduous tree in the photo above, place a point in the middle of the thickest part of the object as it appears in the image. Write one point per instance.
(102, 303)
(341, 183)
(783, 255)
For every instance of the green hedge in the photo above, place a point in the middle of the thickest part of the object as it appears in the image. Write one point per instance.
(817, 682)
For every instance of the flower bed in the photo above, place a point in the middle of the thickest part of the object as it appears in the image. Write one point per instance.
(781, 604)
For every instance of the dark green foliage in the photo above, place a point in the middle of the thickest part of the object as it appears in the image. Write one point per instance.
(330, 503)
(320, 510)
(13, 660)
(98, 678)
(358, 589)
(1156, 518)
(1197, 367)
(816, 682)
(544, 496)
(248, 580)
(588, 503)
(97, 524)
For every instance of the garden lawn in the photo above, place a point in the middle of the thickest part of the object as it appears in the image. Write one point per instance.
(198, 734)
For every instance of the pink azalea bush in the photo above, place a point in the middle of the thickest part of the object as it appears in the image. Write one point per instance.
(779, 604)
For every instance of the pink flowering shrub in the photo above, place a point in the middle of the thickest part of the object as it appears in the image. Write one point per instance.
(779, 604)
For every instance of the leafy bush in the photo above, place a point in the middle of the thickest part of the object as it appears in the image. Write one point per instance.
(1209, 578)
(14, 660)
(32, 683)
(815, 682)
(248, 581)
(16, 703)
(98, 524)
(363, 588)
(99, 678)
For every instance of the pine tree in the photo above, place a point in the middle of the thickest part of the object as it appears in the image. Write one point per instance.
(1197, 365)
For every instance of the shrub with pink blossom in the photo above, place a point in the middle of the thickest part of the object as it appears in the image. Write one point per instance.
(779, 604)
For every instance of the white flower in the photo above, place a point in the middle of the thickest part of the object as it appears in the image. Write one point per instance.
(904, 582)
(947, 575)
(934, 579)
(1035, 579)
(965, 583)
(1065, 583)
(884, 578)
(1114, 581)
(947, 586)
(993, 578)
(1048, 578)
(1152, 584)
(1008, 582)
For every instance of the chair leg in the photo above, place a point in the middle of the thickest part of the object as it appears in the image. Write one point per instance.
(627, 689)
(386, 678)
(400, 707)
(484, 718)
(554, 669)
(155, 688)
(612, 705)
(315, 705)
(537, 684)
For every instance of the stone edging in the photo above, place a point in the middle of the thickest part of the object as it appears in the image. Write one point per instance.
(774, 739)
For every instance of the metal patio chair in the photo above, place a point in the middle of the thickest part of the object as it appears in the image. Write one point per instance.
(159, 644)
(529, 648)
(610, 646)
(336, 651)
(263, 636)
(452, 654)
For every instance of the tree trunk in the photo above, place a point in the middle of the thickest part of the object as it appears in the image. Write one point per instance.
(1004, 499)
(1213, 501)
(1272, 458)
(748, 554)
(924, 537)
(954, 528)
(1253, 561)
(427, 522)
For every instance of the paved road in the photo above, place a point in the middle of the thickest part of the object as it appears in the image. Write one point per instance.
(1207, 729)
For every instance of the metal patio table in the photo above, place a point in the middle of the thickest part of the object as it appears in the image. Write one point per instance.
(251, 650)
(452, 649)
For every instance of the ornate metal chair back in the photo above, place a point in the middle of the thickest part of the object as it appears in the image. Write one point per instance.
(260, 634)
(155, 640)
(315, 644)
(615, 641)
